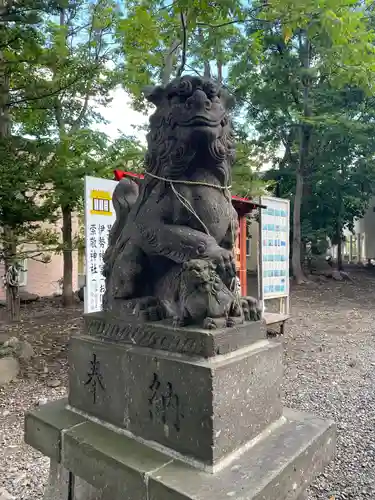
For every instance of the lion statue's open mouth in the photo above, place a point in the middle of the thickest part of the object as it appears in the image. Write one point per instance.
(199, 121)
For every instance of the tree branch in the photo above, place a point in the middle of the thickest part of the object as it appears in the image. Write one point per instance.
(49, 94)
(168, 65)
(193, 69)
(166, 7)
(223, 24)
(238, 21)
(184, 44)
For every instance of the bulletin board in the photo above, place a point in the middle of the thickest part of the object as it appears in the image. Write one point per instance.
(273, 272)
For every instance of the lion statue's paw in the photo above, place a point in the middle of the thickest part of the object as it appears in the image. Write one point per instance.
(251, 308)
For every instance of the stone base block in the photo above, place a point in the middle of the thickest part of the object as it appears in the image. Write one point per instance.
(162, 335)
(201, 408)
(276, 466)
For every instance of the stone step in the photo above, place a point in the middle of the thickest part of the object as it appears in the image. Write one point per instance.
(278, 467)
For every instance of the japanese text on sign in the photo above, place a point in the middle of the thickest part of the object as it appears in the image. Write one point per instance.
(99, 218)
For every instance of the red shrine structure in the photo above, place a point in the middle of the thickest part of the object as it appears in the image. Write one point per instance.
(243, 207)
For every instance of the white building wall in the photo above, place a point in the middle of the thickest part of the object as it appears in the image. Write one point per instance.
(360, 246)
(366, 226)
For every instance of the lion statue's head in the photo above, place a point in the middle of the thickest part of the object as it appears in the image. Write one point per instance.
(189, 129)
(198, 274)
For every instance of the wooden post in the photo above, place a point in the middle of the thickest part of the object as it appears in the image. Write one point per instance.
(238, 257)
(243, 263)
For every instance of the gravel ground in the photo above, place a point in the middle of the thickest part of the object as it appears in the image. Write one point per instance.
(47, 327)
(329, 371)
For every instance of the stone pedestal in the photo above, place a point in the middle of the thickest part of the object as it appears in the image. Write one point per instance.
(156, 413)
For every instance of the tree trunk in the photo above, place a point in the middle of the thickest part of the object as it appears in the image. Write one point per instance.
(339, 225)
(9, 245)
(13, 303)
(12, 296)
(67, 297)
(296, 247)
(206, 62)
(220, 72)
(207, 70)
(339, 254)
(305, 136)
(170, 57)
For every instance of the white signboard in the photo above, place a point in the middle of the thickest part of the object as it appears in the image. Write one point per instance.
(99, 218)
(274, 248)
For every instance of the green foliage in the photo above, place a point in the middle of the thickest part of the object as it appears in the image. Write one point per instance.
(302, 72)
(339, 32)
(340, 178)
(24, 202)
(79, 55)
(305, 79)
(58, 62)
(156, 38)
(159, 41)
(124, 153)
(247, 179)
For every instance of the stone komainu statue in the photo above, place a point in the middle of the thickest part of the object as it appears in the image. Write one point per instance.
(180, 212)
